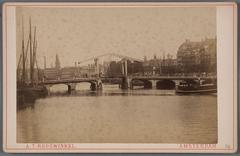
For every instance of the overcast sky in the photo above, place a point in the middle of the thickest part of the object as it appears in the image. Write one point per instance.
(76, 34)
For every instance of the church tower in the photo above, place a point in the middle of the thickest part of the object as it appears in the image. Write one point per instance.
(57, 62)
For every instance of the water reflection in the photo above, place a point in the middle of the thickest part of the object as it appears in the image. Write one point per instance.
(117, 116)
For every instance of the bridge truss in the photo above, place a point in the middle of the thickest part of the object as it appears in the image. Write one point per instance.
(110, 55)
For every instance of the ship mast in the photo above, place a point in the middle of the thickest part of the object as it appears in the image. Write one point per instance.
(23, 56)
(34, 49)
(31, 53)
(32, 46)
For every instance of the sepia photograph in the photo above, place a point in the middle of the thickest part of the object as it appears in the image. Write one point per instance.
(118, 74)
(110, 75)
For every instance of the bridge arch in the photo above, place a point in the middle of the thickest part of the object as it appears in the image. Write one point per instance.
(165, 84)
(94, 85)
(147, 84)
(55, 88)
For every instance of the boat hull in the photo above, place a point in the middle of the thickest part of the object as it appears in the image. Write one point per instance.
(196, 88)
(27, 95)
(202, 91)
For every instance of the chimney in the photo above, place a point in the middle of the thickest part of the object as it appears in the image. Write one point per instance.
(45, 63)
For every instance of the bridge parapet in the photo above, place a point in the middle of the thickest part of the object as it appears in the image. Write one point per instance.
(173, 77)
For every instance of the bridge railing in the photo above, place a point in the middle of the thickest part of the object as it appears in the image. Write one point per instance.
(78, 75)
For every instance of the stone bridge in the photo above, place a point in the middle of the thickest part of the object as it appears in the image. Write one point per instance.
(68, 77)
(158, 82)
(162, 82)
(95, 83)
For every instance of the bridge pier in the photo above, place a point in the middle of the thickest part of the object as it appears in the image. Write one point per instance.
(47, 89)
(96, 85)
(154, 84)
(131, 84)
(125, 80)
(93, 86)
(126, 83)
(71, 87)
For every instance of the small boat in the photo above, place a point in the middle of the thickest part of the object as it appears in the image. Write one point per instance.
(196, 88)
(32, 90)
(26, 95)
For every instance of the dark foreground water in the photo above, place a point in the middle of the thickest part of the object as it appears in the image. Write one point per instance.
(116, 116)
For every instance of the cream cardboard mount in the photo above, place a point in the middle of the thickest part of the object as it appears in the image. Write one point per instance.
(34, 32)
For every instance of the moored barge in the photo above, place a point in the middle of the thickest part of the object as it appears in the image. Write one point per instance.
(196, 88)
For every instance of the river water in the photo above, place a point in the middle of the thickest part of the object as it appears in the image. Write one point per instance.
(117, 116)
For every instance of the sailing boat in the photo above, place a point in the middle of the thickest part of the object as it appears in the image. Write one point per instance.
(28, 85)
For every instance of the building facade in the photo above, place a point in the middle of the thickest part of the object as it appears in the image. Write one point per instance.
(197, 57)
